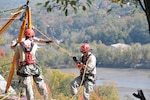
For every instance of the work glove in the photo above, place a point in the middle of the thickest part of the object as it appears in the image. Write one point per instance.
(49, 41)
(74, 59)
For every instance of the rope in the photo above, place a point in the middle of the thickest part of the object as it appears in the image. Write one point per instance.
(21, 10)
(7, 18)
(56, 44)
(12, 14)
(7, 95)
(6, 64)
(73, 97)
(17, 12)
(81, 85)
(97, 96)
(83, 76)
(2, 11)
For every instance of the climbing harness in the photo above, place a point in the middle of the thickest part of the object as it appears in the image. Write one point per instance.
(84, 61)
(28, 56)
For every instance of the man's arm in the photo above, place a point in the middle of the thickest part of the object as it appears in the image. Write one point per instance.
(13, 44)
(39, 40)
(17, 56)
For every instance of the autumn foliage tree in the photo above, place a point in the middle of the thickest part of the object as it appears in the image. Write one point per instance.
(2, 53)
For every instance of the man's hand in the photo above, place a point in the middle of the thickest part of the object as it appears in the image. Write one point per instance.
(84, 66)
(74, 59)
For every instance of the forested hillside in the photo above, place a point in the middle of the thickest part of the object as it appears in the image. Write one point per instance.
(103, 24)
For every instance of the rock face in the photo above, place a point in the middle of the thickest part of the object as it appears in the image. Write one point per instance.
(11, 92)
(3, 83)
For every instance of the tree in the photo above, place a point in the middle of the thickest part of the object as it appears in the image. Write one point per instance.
(146, 10)
(2, 53)
(65, 5)
(108, 91)
(145, 4)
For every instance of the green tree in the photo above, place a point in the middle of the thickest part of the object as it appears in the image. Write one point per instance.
(65, 5)
(108, 91)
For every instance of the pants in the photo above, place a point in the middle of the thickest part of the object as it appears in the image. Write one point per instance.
(26, 81)
(88, 87)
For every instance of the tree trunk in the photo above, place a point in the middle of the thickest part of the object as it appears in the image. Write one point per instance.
(147, 11)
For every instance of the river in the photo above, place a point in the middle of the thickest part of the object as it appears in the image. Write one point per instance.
(128, 81)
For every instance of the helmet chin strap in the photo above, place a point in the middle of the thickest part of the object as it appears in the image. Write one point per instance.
(85, 54)
(30, 38)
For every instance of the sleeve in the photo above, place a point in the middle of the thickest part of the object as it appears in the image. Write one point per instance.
(17, 56)
(36, 39)
(39, 40)
(13, 44)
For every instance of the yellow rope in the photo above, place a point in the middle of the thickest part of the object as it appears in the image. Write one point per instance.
(73, 97)
(7, 95)
(2, 11)
(97, 97)
(7, 18)
(64, 50)
(17, 12)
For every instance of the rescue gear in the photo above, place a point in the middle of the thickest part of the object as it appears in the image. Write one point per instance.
(28, 56)
(88, 87)
(25, 82)
(84, 61)
(24, 70)
(89, 77)
(84, 48)
(78, 63)
(25, 53)
(29, 33)
(87, 73)
(75, 59)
